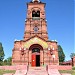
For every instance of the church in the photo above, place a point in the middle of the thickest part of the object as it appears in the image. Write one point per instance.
(35, 49)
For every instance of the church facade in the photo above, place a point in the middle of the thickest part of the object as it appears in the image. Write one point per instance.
(35, 49)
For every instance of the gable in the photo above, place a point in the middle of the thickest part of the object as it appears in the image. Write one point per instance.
(36, 40)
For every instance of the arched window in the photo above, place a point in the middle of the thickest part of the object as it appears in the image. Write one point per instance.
(38, 13)
(35, 50)
(35, 14)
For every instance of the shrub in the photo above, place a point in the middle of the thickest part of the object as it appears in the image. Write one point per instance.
(73, 68)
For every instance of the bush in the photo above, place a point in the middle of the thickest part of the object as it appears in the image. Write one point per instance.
(73, 68)
(1, 63)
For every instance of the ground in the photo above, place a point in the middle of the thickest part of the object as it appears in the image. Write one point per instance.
(13, 71)
(67, 71)
(6, 71)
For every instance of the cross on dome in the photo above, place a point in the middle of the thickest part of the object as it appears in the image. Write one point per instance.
(35, 0)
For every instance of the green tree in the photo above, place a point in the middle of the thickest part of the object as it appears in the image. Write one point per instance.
(61, 54)
(1, 54)
(72, 55)
(9, 60)
(5, 62)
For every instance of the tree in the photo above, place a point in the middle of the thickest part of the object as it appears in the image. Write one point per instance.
(9, 61)
(61, 54)
(1, 54)
(5, 62)
(72, 55)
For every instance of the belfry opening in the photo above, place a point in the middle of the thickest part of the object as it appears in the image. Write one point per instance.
(35, 13)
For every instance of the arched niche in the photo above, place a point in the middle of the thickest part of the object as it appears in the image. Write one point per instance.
(36, 57)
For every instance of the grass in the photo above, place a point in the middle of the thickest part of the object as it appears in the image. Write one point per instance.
(73, 68)
(6, 71)
(72, 72)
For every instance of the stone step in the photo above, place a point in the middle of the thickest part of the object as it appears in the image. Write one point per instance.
(37, 71)
(53, 72)
(20, 72)
(37, 68)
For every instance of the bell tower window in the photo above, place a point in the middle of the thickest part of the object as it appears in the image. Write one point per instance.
(35, 15)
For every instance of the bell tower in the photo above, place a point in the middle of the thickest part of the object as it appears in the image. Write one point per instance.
(35, 49)
(35, 23)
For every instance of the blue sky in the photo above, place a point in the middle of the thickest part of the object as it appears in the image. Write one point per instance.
(60, 22)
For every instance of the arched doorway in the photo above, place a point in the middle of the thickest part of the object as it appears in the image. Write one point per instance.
(35, 54)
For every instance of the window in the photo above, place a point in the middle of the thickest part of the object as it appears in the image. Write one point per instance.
(35, 50)
(35, 15)
(36, 29)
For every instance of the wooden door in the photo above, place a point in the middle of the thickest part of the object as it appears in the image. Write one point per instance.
(33, 60)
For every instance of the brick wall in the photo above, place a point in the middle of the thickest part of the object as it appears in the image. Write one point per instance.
(60, 67)
(16, 67)
(74, 61)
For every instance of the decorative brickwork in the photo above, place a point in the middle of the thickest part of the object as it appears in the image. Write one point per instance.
(35, 47)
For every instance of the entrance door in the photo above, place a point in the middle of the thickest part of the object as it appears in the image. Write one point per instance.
(35, 57)
(33, 60)
(37, 60)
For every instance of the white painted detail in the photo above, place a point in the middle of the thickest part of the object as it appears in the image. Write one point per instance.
(53, 56)
(24, 48)
(15, 40)
(35, 0)
(48, 48)
(52, 40)
(53, 48)
(20, 49)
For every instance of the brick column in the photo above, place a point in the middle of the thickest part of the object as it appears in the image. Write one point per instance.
(74, 61)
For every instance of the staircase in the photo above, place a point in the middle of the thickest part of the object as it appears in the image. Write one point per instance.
(21, 72)
(53, 72)
(37, 71)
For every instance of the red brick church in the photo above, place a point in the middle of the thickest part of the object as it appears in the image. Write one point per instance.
(35, 49)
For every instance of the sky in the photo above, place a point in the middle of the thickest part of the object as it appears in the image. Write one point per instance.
(60, 23)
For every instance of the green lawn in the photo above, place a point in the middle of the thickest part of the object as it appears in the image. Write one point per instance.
(6, 71)
(67, 71)
(61, 71)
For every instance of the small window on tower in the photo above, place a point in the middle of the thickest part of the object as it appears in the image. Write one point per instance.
(36, 29)
(38, 13)
(35, 15)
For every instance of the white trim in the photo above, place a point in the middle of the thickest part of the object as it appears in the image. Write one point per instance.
(53, 56)
(35, 0)
(49, 49)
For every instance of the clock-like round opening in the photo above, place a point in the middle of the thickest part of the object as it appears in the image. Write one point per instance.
(36, 29)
